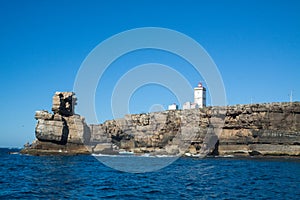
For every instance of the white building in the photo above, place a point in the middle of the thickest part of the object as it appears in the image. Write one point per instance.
(173, 107)
(194, 106)
(200, 96)
(186, 105)
(189, 105)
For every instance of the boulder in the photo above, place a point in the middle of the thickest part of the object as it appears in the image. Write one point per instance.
(42, 114)
(52, 131)
(102, 147)
(78, 131)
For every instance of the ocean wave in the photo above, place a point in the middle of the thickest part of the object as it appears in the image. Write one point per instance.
(135, 155)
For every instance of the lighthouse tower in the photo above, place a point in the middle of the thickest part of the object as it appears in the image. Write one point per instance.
(200, 96)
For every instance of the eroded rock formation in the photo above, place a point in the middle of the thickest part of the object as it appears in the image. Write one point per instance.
(62, 130)
(256, 129)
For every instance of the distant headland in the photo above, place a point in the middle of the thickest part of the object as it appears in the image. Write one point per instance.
(269, 129)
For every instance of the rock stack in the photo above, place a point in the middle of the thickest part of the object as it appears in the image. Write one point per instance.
(61, 131)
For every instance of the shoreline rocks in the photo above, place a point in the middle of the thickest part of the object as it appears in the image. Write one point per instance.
(245, 130)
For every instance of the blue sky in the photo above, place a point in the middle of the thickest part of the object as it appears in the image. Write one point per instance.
(255, 44)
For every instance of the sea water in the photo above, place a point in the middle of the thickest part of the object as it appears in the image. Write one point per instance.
(84, 177)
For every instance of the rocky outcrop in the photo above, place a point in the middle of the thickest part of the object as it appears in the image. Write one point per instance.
(267, 129)
(61, 131)
(256, 129)
(63, 103)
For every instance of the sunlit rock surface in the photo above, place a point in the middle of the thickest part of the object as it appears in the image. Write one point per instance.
(256, 129)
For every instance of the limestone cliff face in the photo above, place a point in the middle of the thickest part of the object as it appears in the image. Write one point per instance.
(266, 129)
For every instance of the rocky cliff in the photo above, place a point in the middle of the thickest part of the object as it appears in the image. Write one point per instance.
(256, 129)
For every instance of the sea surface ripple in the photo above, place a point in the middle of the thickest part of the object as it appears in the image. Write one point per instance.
(84, 177)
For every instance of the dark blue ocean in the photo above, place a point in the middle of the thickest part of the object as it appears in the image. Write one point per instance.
(84, 177)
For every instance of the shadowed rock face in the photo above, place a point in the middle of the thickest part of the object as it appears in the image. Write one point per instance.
(256, 129)
(63, 103)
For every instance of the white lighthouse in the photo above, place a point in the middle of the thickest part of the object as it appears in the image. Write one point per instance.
(200, 96)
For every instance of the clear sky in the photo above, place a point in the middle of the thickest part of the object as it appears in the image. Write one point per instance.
(255, 44)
